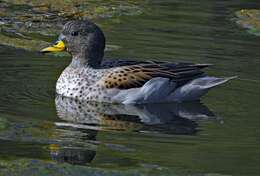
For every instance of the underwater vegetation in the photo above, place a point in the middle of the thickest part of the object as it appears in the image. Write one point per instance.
(30, 25)
(250, 20)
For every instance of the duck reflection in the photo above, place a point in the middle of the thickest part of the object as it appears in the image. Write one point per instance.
(81, 122)
(72, 155)
(180, 118)
(73, 146)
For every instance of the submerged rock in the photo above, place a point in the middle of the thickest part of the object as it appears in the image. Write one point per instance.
(23, 22)
(28, 44)
(3, 123)
(249, 19)
(28, 167)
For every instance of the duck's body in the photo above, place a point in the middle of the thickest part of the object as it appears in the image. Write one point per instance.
(88, 78)
(134, 83)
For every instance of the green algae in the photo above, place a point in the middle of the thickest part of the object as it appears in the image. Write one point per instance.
(28, 44)
(33, 167)
(28, 167)
(3, 123)
(250, 20)
(31, 24)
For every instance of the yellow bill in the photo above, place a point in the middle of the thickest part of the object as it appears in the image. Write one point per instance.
(57, 47)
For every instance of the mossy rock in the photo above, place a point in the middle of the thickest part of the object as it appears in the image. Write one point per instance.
(23, 22)
(249, 19)
(29, 167)
(3, 123)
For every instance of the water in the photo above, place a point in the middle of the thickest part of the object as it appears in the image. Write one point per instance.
(219, 136)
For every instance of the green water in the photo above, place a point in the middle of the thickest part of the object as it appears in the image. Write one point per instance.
(219, 136)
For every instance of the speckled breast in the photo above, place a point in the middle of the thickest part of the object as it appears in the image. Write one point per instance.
(80, 83)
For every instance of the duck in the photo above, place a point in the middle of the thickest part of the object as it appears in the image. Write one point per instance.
(90, 78)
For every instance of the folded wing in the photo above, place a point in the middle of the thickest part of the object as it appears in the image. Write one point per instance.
(133, 76)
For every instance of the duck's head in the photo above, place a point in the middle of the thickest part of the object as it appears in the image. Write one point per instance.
(83, 40)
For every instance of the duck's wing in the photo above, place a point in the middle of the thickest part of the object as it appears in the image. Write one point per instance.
(120, 63)
(133, 76)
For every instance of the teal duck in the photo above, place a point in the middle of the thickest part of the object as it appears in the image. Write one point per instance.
(90, 78)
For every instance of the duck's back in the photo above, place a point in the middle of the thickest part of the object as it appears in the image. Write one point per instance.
(134, 74)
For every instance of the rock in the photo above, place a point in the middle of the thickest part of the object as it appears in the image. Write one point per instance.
(3, 123)
(42, 20)
(249, 19)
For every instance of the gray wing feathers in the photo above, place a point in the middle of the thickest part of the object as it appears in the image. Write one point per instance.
(196, 88)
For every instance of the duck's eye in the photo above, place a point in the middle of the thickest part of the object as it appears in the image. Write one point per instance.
(75, 33)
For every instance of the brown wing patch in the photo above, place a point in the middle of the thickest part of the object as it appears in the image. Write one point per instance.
(136, 75)
(125, 77)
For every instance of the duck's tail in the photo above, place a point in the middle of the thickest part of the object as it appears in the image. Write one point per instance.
(195, 89)
(164, 90)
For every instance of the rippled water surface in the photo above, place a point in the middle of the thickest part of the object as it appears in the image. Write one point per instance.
(41, 133)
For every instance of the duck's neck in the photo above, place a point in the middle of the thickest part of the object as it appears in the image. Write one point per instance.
(84, 60)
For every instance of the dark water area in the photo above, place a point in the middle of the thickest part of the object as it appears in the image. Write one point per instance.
(219, 136)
